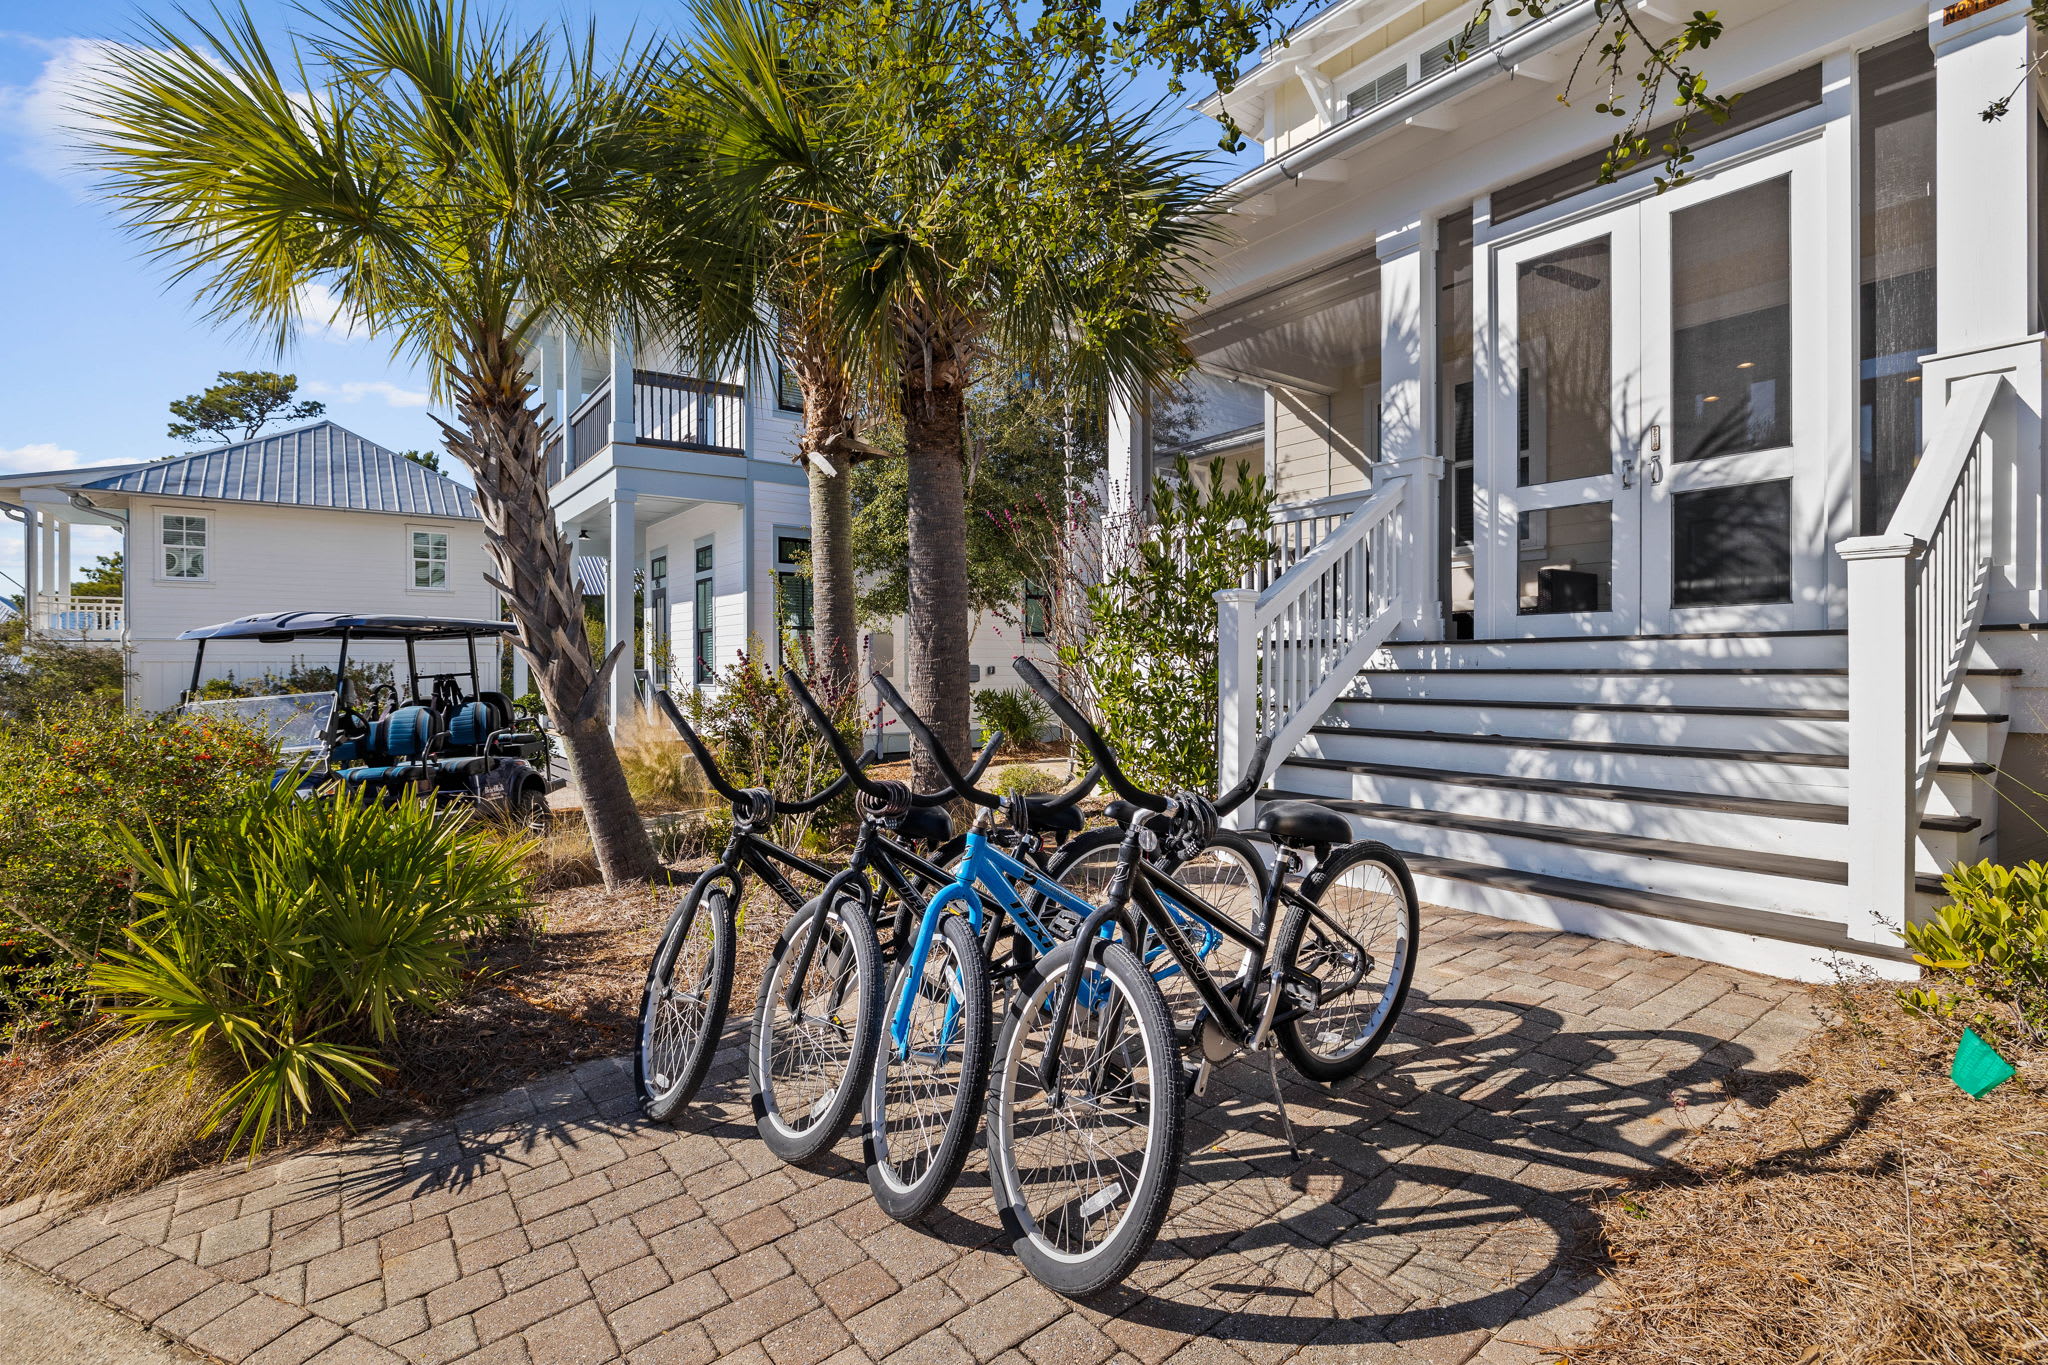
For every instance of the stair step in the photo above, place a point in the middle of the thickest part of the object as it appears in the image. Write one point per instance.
(1670, 850)
(1623, 639)
(1770, 807)
(1768, 924)
(1618, 707)
(1797, 760)
(1678, 672)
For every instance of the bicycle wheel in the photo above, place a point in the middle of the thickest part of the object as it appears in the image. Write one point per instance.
(1228, 873)
(925, 1100)
(1083, 1183)
(814, 1029)
(682, 1009)
(1368, 894)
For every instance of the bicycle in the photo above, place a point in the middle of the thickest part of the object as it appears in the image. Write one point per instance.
(680, 1023)
(814, 1037)
(1086, 1108)
(926, 1085)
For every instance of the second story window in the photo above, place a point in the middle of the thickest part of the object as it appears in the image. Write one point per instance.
(789, 395)
(1376, 91)
(1037, 612)
(430, 559)
(184, 540)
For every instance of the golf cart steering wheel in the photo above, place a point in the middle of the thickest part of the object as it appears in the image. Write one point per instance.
(377, 690)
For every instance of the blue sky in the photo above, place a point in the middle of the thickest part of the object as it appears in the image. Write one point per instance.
(95, 345)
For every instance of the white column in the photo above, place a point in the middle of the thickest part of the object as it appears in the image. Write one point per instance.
(571, 374)
(1883, 806)
(1237, 689)
(1126, 471)
(618, 606)
(1986, 235)
(549, 379)
(1408, 421)
(624, 432)
(63, 578)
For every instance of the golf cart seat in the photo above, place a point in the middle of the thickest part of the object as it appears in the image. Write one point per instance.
(401, 739)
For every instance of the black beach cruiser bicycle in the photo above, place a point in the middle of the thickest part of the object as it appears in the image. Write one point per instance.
(1088, 1092)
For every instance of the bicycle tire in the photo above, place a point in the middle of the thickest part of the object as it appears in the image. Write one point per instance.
(1323, 1044)
(676, 1043)
(909, 1171)
(1048, 1220)
(807, 1090)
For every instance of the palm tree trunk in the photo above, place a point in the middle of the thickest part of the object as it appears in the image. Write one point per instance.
(500, 440)
(937, 628)
(835, 643)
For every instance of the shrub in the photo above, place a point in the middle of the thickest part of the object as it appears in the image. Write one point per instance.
(1021, 779)
(38, 676)
(72, 778)
(288, 940)
(1150, 655)
(1988, 952)
(659, 770)
(754, 727)
(1016, 711)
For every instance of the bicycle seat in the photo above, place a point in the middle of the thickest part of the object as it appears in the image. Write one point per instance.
(1044, 818)
(1304, 824)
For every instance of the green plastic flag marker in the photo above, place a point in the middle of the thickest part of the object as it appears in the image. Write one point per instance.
(1978, 1069)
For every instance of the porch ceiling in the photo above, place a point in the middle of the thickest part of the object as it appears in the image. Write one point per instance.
(1316, 331)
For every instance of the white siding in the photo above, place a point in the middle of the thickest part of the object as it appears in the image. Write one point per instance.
(264, 558)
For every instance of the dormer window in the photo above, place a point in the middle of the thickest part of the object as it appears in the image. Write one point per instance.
(1377, 91)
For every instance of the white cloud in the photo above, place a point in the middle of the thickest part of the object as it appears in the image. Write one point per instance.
(38, 457)
(355, 391)
(43, 119)
(323, 314)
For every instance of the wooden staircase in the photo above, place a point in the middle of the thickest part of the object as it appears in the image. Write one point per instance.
(1683, 792)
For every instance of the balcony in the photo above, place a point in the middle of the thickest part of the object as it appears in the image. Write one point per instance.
(71, 617)
(670, 411)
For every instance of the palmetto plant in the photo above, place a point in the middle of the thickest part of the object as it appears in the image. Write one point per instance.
(446, 184)
(925, 210)
(293, 937)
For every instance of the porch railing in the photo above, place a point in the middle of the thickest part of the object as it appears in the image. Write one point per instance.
(1286, 650)
(674, 411)
(84, 618)
(1917, 595)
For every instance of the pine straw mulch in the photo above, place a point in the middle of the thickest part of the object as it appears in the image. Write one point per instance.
(538, 1002)
(1873, 1216)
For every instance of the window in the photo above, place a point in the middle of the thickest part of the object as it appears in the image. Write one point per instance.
(1037, 611)
(788, 396)
(793, 603)
(1447, 60)
(430, 559)
(657, 610)
(702, 606)
(184, 539)
(1376, 91)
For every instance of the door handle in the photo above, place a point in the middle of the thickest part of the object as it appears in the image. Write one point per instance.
(1628, 472)
(1656, 470)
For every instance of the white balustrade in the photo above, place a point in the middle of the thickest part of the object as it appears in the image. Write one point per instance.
(85, 618)
(1917, 595)
(1287, 647)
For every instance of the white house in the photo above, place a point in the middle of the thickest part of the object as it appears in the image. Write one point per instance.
(1661, 566)
(685, 490)
(315, 518)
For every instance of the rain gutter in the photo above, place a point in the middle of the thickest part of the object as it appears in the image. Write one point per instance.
(1554, 30)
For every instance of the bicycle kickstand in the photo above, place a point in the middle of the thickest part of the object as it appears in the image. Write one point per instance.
(1280, 1103)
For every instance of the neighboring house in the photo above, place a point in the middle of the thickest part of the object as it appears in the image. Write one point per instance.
(683, 494)
(311, 519)
(1666, 567)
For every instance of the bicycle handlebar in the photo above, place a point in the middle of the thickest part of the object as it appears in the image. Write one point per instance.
(960, 784)
(702, 753)
(1098, 748)
(822, 723)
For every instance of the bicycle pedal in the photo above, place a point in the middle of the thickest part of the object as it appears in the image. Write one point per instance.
(1300, 995)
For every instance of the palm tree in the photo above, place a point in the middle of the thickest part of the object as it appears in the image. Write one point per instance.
(733, 235)
(453, 186)
(913, 209)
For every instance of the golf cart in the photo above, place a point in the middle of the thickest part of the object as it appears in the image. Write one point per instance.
(445, 735)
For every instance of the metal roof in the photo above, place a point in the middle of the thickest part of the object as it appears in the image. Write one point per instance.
(300, 625)
(321, 465)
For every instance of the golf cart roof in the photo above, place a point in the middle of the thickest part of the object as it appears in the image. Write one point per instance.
(282, 626)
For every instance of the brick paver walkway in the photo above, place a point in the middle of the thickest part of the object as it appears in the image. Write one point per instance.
(1438, 1219)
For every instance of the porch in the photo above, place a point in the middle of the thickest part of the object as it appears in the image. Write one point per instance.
(1655, 565)
(75, 617)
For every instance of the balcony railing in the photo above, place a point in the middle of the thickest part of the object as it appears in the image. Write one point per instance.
(78, 618)
(673, 411)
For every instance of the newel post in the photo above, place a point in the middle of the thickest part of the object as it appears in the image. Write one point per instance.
(1237, 686)
(1884, 741)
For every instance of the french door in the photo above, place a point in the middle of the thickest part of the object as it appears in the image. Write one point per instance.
(1657, 443)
